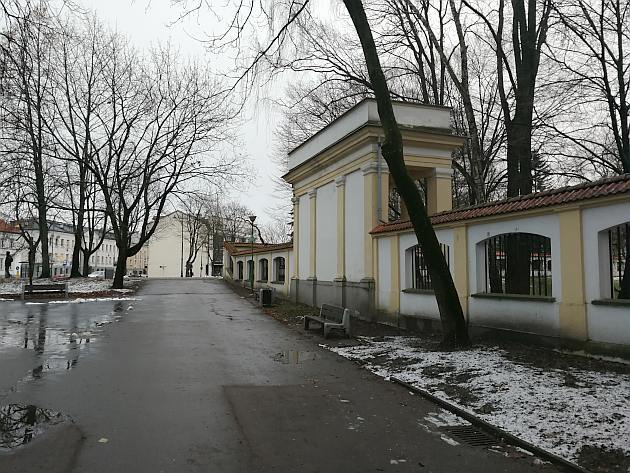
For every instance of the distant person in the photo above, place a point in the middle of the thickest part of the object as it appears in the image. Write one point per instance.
(8, 259)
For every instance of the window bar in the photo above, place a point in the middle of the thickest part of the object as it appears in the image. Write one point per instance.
(502, 267)
(611, 263)
(531, 250)
(547, 256)
(541, 248)
(486, 252)
(619, 255)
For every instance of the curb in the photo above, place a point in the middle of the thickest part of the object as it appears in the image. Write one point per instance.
(492, 429)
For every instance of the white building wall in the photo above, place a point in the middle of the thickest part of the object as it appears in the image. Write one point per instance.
(606, 324)
(354, 227)
(326, 232)
(304, 237)
(281, 288)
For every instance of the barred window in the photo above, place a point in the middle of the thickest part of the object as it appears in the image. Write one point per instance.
(518, 263)
(420, 277)
(619, 263)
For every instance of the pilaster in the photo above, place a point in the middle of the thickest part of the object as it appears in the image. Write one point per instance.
(573, 323)
(439, 191)
(313, 233)
(340, 183)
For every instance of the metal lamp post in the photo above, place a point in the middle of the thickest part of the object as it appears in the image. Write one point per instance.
(252, 219)
(181, 262)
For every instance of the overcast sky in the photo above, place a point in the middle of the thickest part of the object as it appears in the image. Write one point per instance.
(148, 22)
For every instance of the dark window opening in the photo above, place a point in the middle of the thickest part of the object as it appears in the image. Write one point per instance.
(279, 269)
(264, 269)
(239, 267)
(250, 270)
(518, 263)
(421, 278)
(619, 264)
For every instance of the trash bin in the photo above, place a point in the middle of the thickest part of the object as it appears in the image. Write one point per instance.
(265, 297)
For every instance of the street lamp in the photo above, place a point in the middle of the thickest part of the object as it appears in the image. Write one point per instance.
(181, 261)
(252, 219)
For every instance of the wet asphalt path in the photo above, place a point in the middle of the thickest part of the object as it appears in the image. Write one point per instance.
(192, 378)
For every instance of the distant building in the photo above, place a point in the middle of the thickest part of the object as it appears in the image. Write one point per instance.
(60, 246)
(138, 264)
(168, 249)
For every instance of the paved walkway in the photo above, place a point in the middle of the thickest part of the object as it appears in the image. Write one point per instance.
(195, 379)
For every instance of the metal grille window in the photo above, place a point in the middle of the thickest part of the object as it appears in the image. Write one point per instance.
(264, 269)
(421, 278)
(518, 263)
(619, 264)
(279, 262)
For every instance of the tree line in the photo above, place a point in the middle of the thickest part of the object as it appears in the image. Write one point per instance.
(98, 134)
(540, 88)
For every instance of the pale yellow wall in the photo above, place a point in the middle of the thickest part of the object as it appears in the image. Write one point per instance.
(573, 323)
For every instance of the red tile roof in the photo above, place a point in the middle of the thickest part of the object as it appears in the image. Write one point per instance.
(240, 249)
(592, 190)
(6, 227)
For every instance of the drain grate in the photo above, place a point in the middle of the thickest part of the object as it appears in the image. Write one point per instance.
(471, 436)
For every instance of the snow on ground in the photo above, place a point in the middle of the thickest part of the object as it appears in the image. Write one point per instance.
(568, 411)
(82, 300)
(82, 285)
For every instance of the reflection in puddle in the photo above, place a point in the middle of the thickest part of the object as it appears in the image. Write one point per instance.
(57, 335)
(19, 424)
(294, 357)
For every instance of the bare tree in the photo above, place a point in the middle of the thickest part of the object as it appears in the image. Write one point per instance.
(596, 54)
(528, 24)
(158, 126)
(79, 92)
(26, 86)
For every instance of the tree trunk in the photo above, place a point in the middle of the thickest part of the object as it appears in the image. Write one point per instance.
(518, 263)
(86, 262)
(31, 263)
(494, 274)
(454, 327)
(121, 266)
(76, 251)
(78, 231)
(43, 238)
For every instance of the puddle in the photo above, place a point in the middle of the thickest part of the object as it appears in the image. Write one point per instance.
(295, 357)
(19, 424)
(58, 335)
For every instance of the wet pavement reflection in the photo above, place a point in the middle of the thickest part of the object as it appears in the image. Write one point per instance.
(294, 357)
(19, 424)
(58, 334)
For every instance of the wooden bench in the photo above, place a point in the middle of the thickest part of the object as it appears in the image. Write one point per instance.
(44, 289)
(330, 317)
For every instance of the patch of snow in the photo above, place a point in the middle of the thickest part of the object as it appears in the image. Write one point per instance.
(540, 406)
(445, 418)
(82, 285)
(449, 440)
(82, 300)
